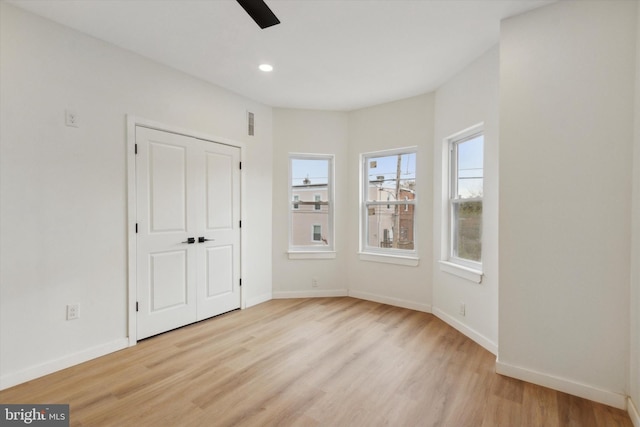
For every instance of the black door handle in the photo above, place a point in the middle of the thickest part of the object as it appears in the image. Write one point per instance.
(202, 240)
(190, 240)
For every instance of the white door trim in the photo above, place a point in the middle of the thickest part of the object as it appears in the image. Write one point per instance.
(132, 122)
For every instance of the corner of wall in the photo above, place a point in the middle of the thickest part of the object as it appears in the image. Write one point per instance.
(634, 354)
(469, 98)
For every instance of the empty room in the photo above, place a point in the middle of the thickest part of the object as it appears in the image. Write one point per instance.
(320, 212)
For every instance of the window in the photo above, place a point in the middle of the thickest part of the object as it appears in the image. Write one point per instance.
(311, 203)
(389, 202)
(465, 198)
(316, 233)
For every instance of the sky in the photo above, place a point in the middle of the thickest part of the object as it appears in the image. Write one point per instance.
(317, 170)
(470, 172)
(470, 167)
(387, 166)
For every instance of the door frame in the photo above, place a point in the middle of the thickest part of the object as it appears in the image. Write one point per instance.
(132, 284)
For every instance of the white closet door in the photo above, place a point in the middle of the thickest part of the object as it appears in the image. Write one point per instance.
(219, 253)
(187, 244)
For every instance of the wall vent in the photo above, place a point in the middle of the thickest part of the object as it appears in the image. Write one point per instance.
(250, 123)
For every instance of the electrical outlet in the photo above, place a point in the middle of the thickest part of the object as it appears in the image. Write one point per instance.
(463, 309)
(314, 282)
(71, 119)
(73, 311)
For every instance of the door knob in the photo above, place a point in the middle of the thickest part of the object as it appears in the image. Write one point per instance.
(190, 240)
(202, 240)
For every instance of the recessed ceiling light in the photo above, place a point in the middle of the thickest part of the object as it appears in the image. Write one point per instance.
(266, 68)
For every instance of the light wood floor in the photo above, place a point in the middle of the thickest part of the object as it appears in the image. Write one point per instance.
(308, 362)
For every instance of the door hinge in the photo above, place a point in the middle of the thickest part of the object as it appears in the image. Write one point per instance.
(136, 305)
(240, 165)
(240, 282)
(240, 224)
(136, 228)
(136, 149)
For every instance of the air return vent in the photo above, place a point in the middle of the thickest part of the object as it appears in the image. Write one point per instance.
(250, 123)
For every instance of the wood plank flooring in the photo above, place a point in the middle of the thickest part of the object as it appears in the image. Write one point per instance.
(308, 362)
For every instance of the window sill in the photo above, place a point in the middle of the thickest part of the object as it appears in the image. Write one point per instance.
(461, 271)
(312, 254)
(390, 259)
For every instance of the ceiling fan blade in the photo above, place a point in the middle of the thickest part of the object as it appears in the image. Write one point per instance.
(260, 12)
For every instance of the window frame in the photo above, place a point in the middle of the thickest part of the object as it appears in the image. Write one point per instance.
(386, 255)
(312, 250)
(468, 268)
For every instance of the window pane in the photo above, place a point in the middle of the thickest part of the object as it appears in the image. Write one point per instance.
(317, 233)
(390, 226)
(391, 177)
(310, 202)
(309, 171)
(470, 168)
(467, 230)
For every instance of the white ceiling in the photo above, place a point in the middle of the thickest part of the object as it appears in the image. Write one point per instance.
(327, 54)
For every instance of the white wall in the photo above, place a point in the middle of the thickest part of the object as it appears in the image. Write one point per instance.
(467, 99)
(634, 378)
(63, 208)
(312, 132)
(565, 176)
(566, 133)
(403, 123)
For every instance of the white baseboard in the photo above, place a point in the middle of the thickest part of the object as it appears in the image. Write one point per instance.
(311, 293)
(391, 301)
(64, 362)
(467, 331)
(258, 300)
(564, 385)
(634, 414)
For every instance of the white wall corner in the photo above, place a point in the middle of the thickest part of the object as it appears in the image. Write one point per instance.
(474, 335)
(586, 391)
(634, 414)
(67, 361)
(258, 299)
(397, 302)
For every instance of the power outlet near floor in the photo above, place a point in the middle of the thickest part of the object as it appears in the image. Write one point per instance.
(463, 309)
(73, 311)
(314, 282)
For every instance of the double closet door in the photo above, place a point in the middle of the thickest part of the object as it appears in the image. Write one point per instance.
(188, 230)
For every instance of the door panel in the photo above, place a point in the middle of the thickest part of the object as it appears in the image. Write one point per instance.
(167, 187)
(220, 254)
(168, 280)
(219, 191)
(219, 276)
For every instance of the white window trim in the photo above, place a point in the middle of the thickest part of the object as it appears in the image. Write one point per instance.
(410, 261)
(386, 255)
(466, 269)
(312, 251)
(459, 270)
(311, 255)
